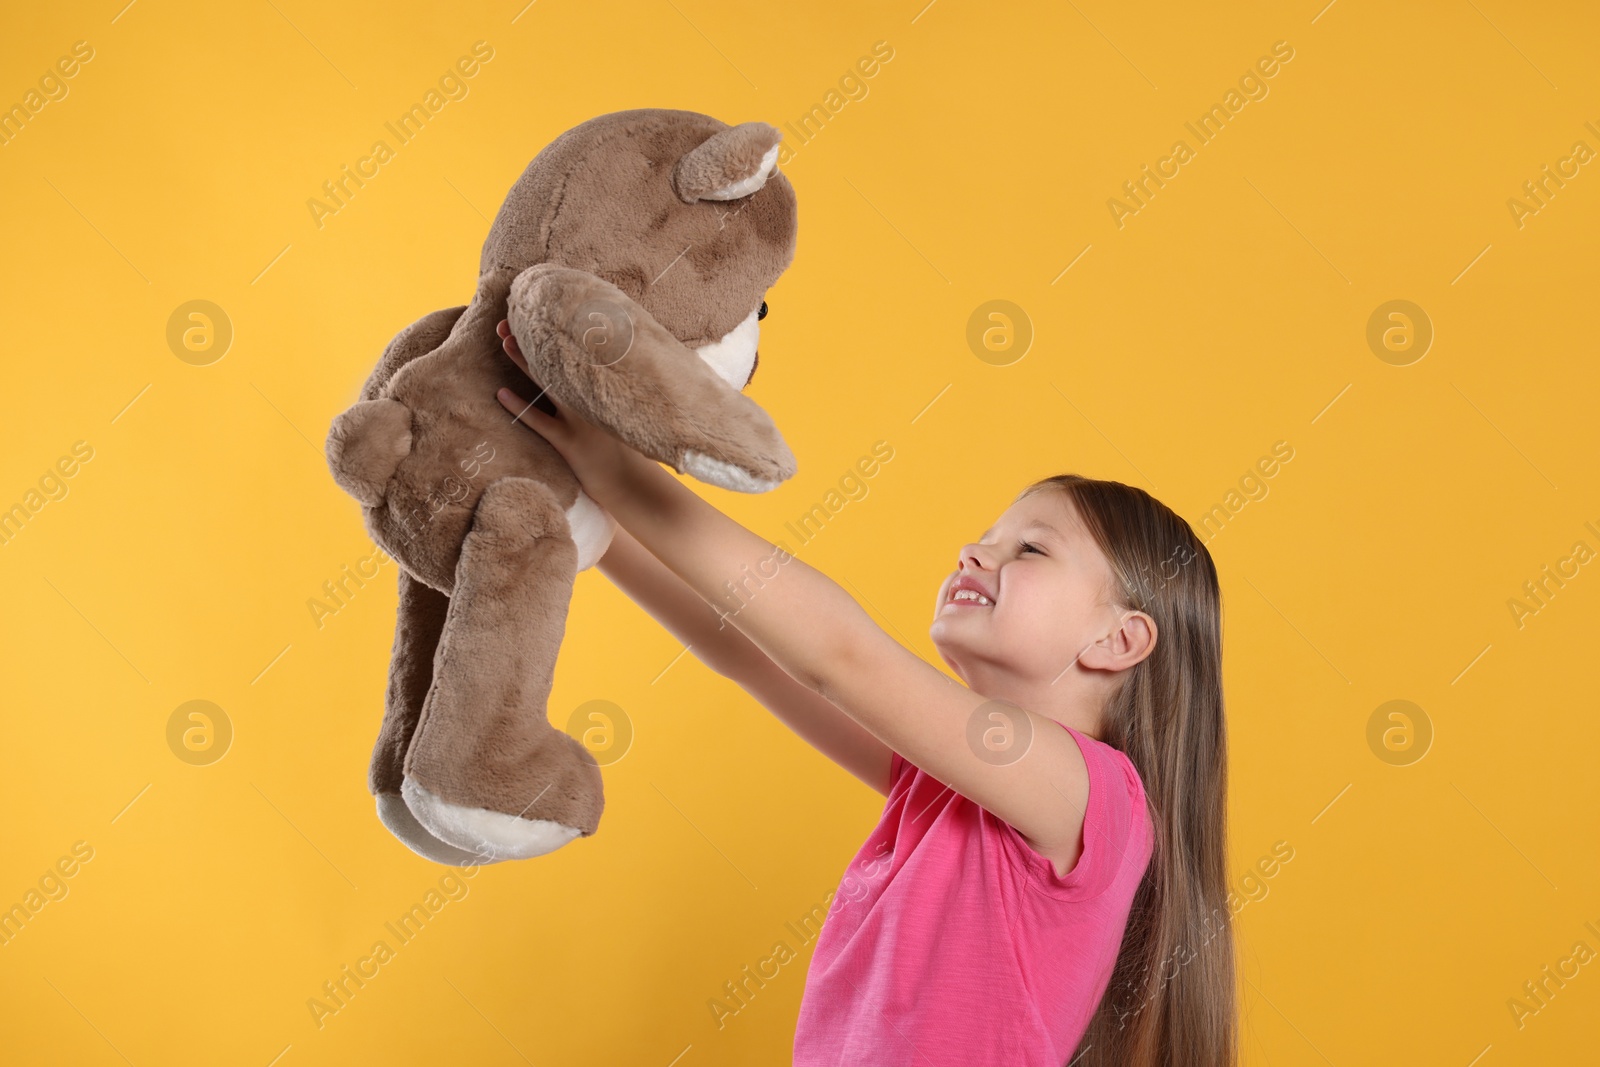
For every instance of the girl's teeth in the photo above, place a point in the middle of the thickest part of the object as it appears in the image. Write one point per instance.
(968, 594)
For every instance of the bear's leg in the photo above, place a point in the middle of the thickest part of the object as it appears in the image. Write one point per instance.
(416, 637)
(486, 771)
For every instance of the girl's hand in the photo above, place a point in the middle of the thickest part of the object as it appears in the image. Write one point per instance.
(601, 461)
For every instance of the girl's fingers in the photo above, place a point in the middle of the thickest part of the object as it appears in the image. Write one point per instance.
(525, 412)
(553, 429)
(508, 341)
(557, 429)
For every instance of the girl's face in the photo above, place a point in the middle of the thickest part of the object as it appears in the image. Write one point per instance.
(1047, 586)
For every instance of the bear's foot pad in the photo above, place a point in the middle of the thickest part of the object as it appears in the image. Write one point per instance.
(486, 836)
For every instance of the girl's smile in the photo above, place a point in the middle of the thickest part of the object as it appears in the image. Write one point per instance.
(967, 589)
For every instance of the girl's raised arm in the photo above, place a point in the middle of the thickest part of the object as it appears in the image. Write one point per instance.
(813, 629)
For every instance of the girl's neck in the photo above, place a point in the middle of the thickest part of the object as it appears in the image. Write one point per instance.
(1072, 700)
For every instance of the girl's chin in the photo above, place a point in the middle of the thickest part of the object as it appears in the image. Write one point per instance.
(948, 623)
(948, 645)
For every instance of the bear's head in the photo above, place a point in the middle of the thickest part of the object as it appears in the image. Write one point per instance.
(685, 214)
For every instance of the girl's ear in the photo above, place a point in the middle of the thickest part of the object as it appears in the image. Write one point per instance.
(1131, 640)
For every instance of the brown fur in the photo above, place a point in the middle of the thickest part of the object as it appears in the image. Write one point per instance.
(609, 216)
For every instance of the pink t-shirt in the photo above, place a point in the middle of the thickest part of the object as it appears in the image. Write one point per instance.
(952, 942)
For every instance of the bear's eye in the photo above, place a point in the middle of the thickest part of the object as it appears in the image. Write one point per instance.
(763, 312)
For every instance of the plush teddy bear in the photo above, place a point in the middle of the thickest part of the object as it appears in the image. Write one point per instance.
(631, 259)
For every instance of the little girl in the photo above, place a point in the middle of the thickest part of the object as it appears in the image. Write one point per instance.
(1047, 882)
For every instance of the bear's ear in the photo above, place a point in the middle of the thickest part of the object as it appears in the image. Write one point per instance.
(728, 165)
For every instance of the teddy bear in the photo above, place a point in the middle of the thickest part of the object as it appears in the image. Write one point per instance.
(631, 260)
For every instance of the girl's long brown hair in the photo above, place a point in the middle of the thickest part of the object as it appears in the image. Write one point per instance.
(1171, 999)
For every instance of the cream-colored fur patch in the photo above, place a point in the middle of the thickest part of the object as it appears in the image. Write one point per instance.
(748, 185)
(726, 475)
(592, 529)
(734, 356)
(394, 814)
(490, 835)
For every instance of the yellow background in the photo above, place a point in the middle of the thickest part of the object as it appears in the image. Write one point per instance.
(1227, 315)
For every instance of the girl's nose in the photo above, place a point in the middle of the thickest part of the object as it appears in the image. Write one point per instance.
(971, 557)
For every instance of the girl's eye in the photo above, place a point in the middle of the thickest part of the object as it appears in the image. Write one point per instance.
(1026, 545)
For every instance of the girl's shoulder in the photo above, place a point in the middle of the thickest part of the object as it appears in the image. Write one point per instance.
(1109, 755)
(1117, 829)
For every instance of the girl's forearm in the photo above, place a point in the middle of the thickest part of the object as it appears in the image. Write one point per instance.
(794, 613)
(682, 612)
